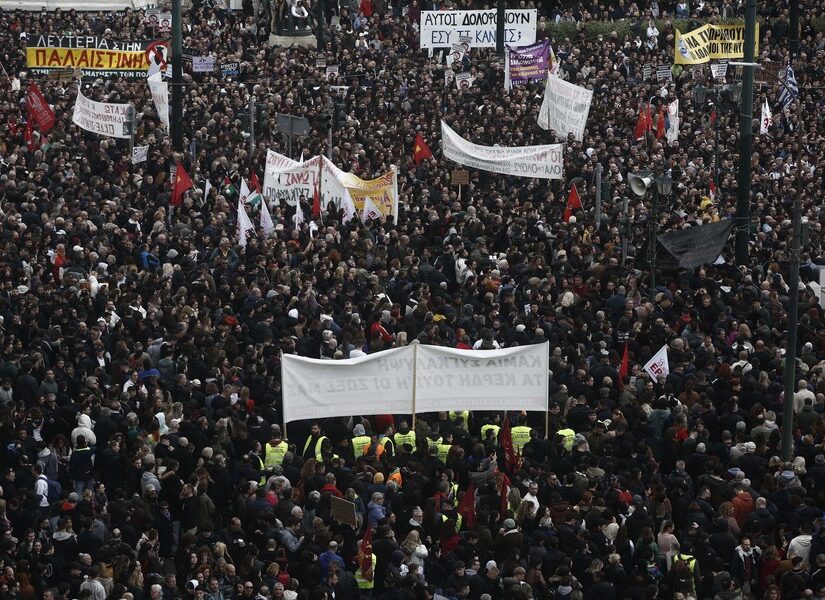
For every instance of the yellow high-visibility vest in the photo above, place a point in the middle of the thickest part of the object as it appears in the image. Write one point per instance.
(405, 438)
(464, 414)
(318, 445)
(274, 455)
(359, 443)
(494, 428)
(520, 435)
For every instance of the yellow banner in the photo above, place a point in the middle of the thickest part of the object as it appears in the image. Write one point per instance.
(712, 42)
(87, 58)
(340, 187)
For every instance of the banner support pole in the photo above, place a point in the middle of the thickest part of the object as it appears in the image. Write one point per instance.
(414, 344)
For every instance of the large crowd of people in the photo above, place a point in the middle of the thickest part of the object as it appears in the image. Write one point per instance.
(143, 450)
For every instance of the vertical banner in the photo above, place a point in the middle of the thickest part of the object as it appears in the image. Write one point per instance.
(160, 96)
(526, 65)
(565, 108)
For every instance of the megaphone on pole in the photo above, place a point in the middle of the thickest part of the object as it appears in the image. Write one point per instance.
(640, 182)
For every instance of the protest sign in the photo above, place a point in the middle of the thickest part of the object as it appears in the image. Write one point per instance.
(445, 379)
(102, 118)
(165, 21)
(160, 96)
(711, 42)
(230, 69)
(287, 180)
(95, 56)
(345, 189)
(151, 17)
(449, 77)
(719, 70)
(507, 379)
(379, 383)
(542, 162)
(320, 62)
(442, 28)
(332, 72)
(140, 154)
(464, 81)
(658, 365)
(527, 64)
(663, 73)
(647, 71)
(343, 511)
(565, 108)
(203, 64)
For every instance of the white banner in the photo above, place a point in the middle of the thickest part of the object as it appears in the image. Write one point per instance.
(140, 154)
(507, 379)
(160, 96)
(101, 118)
(658, 365)
(542, 162)
(442, 28)
(203, 64)
(286, 179)
(377, 384)
(445, 379)
(565, 108)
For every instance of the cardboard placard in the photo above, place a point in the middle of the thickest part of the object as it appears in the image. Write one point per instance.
(343, 511)
(460, 177)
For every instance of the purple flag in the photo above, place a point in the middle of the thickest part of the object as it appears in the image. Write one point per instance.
(526, 64)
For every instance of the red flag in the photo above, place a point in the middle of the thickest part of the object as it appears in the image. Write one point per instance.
(712, 189)
(180, 185)
(316, 202)
(467, 506)
(364, 556)
(713, 117)
(421, 150)
(624, 369)
(511, 461)
(38, 107)
(573, 202)
(660, 123)
(253, 181)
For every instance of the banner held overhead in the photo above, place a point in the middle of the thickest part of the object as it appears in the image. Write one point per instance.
(541, 162)
(443, 28)
(380, 383)
(565, 108)
(507, 379)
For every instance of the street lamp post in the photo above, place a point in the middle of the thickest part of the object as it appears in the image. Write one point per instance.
(640, 183)
(793, 280)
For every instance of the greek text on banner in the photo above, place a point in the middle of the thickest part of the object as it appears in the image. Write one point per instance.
(565, 108)
(541, 162)
(100, 117)
(445, 379)
(712, 42)
(442, 28)
(507, 379)
(95, 56)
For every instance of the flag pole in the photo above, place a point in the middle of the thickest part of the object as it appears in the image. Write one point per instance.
(414, 344)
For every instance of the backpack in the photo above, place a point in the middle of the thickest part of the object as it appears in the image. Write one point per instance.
(55, 490)
(626, 497)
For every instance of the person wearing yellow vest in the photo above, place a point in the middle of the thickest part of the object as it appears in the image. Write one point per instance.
(360, 441)
(520, 435)
(444, 448)
(312, 447)
(567, 436)
(464, 415)
(385, 442)
(404, 436)
(493, 428)
(275, 450)
(365, 573)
